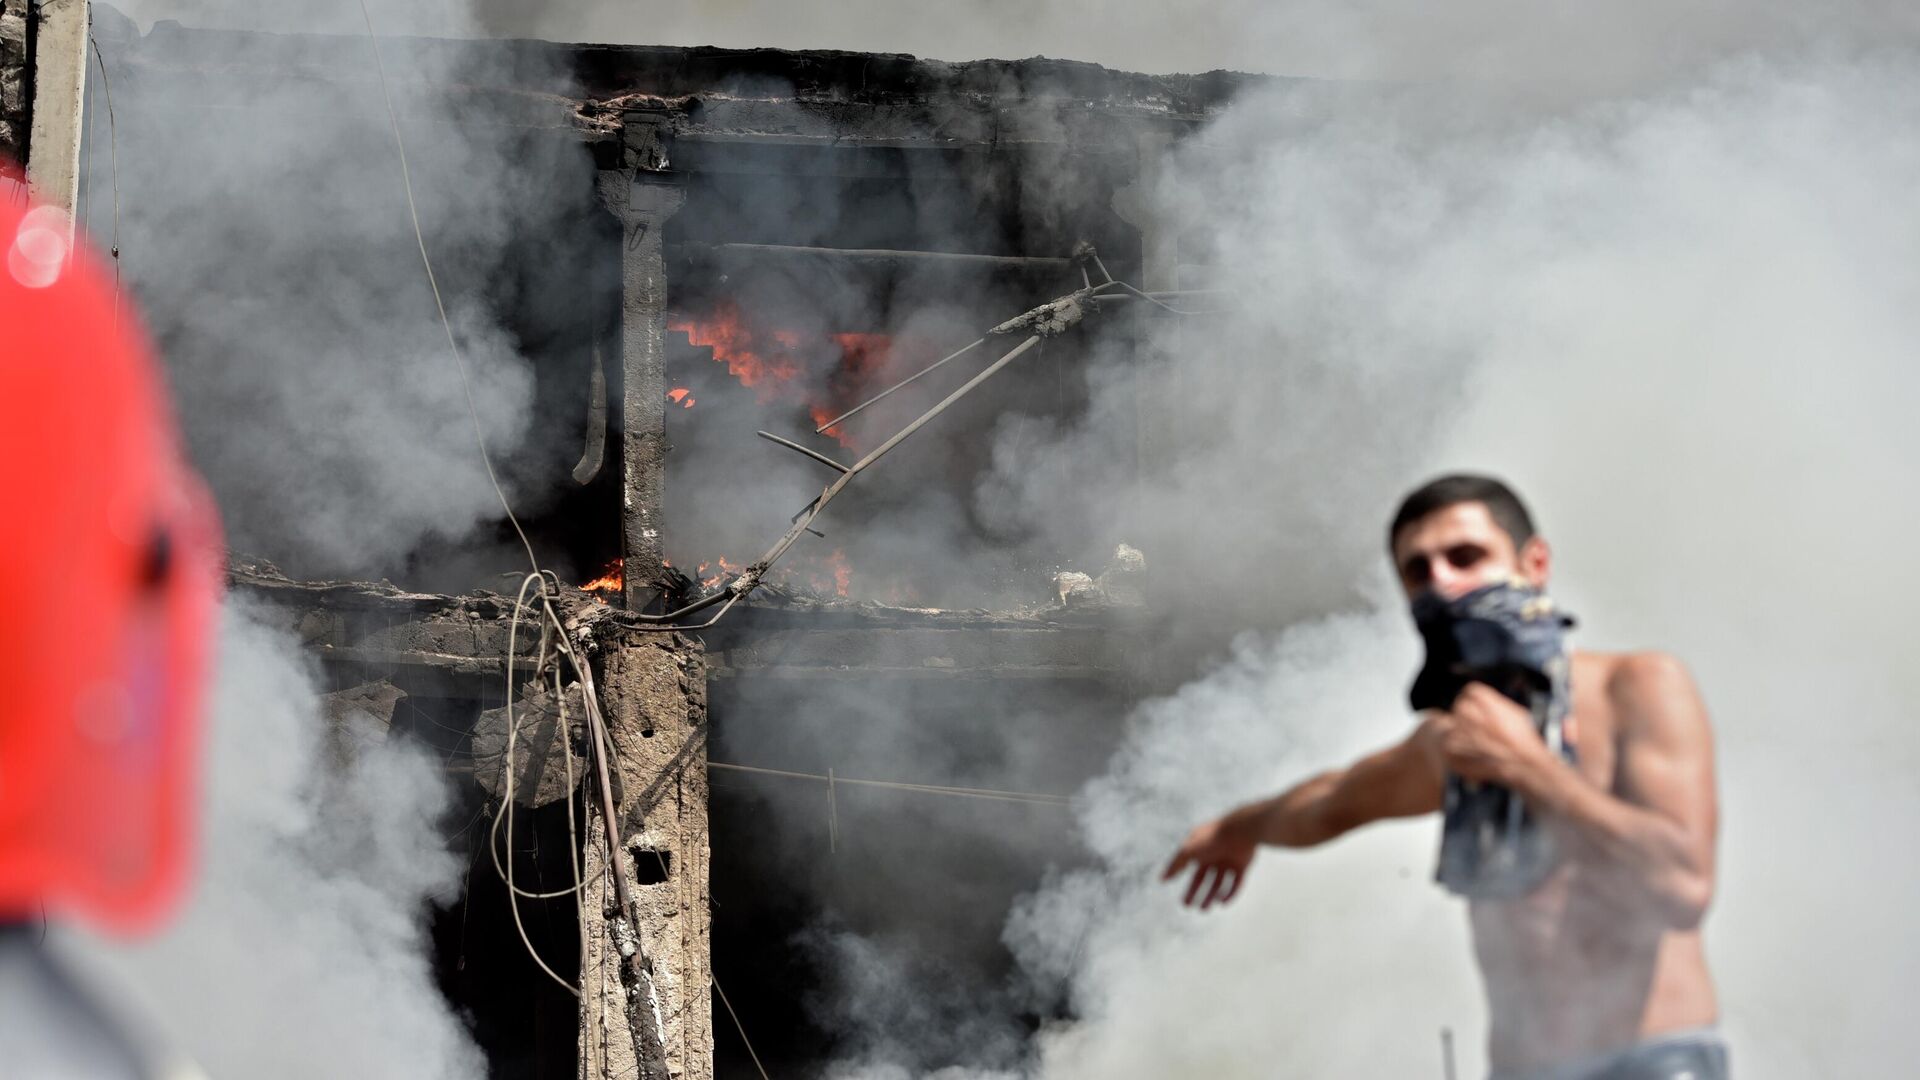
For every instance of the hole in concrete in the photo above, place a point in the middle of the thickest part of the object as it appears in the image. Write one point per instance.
(652, 867)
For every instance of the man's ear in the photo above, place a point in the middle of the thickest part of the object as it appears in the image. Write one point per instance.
(1536, 562)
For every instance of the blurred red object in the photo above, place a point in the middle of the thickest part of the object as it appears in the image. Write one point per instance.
(111, 563)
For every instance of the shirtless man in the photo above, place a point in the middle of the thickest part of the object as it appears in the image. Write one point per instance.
(1598, 974)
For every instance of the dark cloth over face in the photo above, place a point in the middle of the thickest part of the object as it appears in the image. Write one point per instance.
(1509, 636)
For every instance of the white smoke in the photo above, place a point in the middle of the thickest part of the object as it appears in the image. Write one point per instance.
(270, 244)
(302, 950)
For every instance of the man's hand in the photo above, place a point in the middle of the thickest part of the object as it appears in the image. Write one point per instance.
(1488, 737)
(1400, 781)
(1218, 851)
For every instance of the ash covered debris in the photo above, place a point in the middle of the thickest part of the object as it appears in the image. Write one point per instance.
(539, 722)
(1122, 584)
(360, 716)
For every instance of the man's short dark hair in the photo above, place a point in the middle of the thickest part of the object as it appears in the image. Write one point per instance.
(1507, 510)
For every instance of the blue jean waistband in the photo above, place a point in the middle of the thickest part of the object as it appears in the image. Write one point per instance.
(1706, 1038)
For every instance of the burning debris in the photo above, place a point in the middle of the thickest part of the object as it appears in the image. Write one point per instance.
(737, 348)
(612, 581)
(824, 371)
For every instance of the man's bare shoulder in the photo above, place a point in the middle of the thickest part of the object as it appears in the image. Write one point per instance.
(1629, 672)
(1644, 688)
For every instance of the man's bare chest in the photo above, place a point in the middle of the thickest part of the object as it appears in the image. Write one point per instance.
(1592, 727)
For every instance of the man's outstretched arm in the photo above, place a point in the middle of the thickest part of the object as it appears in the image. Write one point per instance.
(1400, 781)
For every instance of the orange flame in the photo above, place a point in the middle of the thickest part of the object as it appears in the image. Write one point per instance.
(862, 354)
(708, 581)
(612, 580)
(820, 414)
(842, 571)
(861, 357)
(745, 351)
(772, 361)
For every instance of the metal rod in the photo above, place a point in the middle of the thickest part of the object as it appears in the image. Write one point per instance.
(797, 448)
(903, 382)
(1151, 299)
(965, 389)
(1012, 262)
(1164, 294)
(801, 524)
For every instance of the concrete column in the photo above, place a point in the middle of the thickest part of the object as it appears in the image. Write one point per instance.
(16, 80)
(643, 196)
(59, 81)
(655, 705)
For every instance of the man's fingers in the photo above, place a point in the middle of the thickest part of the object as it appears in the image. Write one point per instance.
(1480, 692)
(1234, 889)
(1219, 882)
(1199, 878)
(1180, 860)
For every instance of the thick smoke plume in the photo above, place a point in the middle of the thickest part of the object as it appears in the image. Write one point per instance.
(270, 244)
(302, 951)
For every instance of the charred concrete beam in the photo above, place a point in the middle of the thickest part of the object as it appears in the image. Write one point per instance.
(606, 71)
(735, 256)
(586, 89)
(643, 198)
(436, 645)
(456, 646)
(442, 646)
